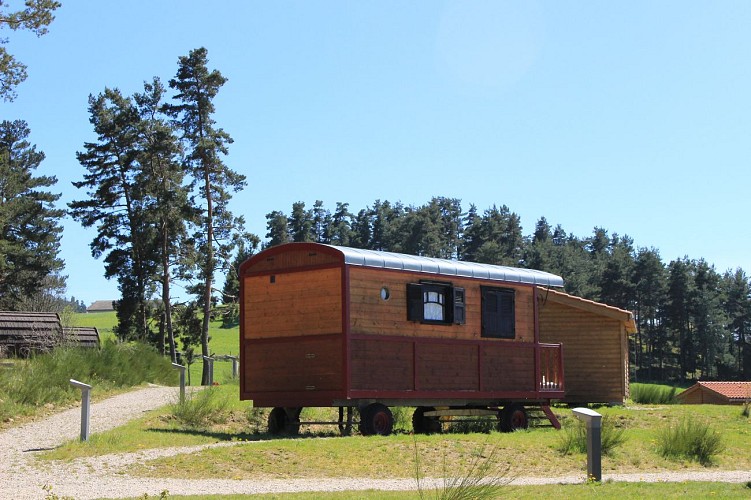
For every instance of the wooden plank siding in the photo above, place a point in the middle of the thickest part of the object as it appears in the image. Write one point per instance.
(292, 259)
(316, 331)
(293, 304)
(593, 352)
(371, 315)
(307, 364)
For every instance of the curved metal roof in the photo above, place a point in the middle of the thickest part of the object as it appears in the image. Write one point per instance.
(445, 267)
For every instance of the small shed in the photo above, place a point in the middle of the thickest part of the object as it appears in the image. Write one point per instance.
(82, 336)
(101, 306)
(716, 393)
(595, 345)
(23, 332)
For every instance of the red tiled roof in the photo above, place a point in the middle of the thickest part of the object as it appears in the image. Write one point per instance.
(731, 390)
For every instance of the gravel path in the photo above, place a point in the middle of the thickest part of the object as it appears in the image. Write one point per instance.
(22, 477)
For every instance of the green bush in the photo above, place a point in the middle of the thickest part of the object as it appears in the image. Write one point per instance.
(689, 439)
(202, 409)
(573, 438)
(653, 394)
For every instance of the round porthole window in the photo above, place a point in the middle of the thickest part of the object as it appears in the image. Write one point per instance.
(385, 294)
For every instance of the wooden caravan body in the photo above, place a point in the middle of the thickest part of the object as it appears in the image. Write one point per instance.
(333, 326)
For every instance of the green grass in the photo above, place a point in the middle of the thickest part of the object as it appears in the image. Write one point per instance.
(42, 382)
(102, 321)
(527, 453)
(653, 393)
(690, 439)
(638, 491)
(222, 341)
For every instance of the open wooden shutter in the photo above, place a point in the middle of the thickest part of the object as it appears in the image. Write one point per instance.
(460, 309)
(415, 304)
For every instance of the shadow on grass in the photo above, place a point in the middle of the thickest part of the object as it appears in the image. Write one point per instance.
(242, 436)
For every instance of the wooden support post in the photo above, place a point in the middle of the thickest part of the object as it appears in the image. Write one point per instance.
(182, 380)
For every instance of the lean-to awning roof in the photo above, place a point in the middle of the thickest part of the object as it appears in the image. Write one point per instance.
(445, 267)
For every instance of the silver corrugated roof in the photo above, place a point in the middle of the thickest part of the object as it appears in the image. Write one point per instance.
(445, 267)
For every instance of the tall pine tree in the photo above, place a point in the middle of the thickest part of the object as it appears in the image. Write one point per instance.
(29, 222)
(206, 145)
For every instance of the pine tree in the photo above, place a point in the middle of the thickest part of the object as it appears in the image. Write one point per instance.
(206, 144)
(116, 206)
(278, 230)
(300, 223)
(340, 229)
(649, 278)
(36, 17)
(166, 200)
(29, 222)
(738, 310)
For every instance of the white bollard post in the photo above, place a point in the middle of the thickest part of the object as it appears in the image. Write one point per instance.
(182, 380)
(85, 407)
(593, 422)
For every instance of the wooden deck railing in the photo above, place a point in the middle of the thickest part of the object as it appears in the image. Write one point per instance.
(551, 367)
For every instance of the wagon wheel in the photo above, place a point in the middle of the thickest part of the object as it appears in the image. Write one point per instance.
(376, 419)
(513, 417)
(425, 425)
(345, 428)
(284, 421)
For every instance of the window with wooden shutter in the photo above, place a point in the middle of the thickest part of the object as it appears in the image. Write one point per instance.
(498, 318)
(432, 302)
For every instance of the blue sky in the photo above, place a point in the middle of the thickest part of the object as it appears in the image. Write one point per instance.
(632, 116)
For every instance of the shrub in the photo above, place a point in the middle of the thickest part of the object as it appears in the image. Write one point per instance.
(45, 378)
(202, 408)
(484, 478)
(690, 439)
(573, 438)
(653, 394)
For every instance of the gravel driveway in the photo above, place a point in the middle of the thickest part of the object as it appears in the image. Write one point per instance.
(22, 477)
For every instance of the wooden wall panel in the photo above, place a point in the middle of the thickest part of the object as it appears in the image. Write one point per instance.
(381, 366)
(293, 259)
(592, 352)
(447, 367)
(302, 364)
(507, 369)
(297, 303)
(369, 314)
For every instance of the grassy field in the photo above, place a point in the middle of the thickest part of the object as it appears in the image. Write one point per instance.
(528, 453)
(605, 490)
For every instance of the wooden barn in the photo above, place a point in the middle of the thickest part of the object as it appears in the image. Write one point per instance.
(716, 393)
(24, 332)
(333, 326)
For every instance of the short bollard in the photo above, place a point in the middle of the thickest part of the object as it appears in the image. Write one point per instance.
(210, 361)
(593, 422)
(182, 380)
(85, 407)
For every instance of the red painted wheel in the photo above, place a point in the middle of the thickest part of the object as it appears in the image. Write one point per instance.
(376, 420)
(513, 418)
